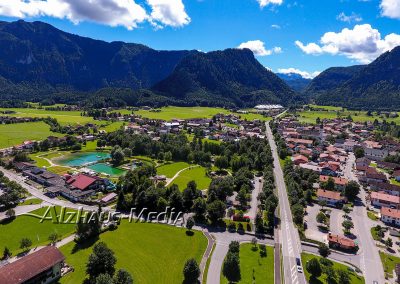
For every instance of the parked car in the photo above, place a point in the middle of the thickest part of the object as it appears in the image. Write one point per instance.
(299, 267)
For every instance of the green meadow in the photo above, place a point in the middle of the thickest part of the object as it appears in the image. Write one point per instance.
(169, 170)
(152, 253)
(253, 267)
(14, 134)
(198, 174)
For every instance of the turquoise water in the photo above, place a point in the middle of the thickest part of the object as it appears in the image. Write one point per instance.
(106, 169)
(80, 159)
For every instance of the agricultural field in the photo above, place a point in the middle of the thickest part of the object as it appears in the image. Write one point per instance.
(354, 278)
(329, 112)
(198, 174)
(14, 134)
(141, 249)
(169, 170)
(253, 267)
(30, 227)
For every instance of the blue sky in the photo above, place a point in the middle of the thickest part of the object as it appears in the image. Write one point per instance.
(306, 35)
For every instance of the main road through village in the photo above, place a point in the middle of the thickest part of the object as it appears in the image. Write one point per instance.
(291, 246)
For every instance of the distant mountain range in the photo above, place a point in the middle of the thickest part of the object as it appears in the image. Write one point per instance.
(373, 86)
(297, 82)
(38, 61)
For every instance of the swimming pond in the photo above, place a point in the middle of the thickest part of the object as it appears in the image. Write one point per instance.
(106, 169)
(81, 159)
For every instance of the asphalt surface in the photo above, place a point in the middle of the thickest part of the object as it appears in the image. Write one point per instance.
(291, 246)
(370, 262)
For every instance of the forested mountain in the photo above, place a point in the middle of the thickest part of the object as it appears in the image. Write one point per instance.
(295, 81)
(230, 75)
(373, 86)
(39, 62)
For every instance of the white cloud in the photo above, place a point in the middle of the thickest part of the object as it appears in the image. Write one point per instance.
(304, 74)
(169, 12)
(264, 3)
(349, 18)
(362, 43)
(390, 8)
(278, 27)
(126, 13)
(258, 48)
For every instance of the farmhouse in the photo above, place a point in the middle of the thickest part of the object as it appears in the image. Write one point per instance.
(42, 266)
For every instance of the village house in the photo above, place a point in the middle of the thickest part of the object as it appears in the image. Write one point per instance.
(332, 198)
(340, 183)
(380, 199)
(340, 242)
(390, 216)
(42, 266)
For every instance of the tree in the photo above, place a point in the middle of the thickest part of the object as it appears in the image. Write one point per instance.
(191, 271)
(321, 218)
(231, 267)
(329, 184)
(101, 261)
(190, 223)
(221, 162)
(199, 208)
(323, 250)
(343, 276)
(216, 210)
(234, 247)
(168, 156)
(122, 277)
(242, 197)
(314, 268)
(346, 210)
(53, 238)
(10, 213)
(298, 213)
(351, 190)
(103, 278)
(347, 225)
(322, 203)
(117, 156)
(6, 253)
(330, 275)
(25, 243)
(254, 242)
(389, 243)
(359, 152)
(127, 152)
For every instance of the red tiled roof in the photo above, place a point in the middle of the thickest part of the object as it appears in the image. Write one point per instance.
(329, 194)
(343, 241)
(82, 181)
(337, 180)
(385, 197)
(31, 265)
(394, 213)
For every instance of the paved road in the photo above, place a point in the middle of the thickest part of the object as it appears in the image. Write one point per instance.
(370, 262)
(39, 194)
(291, 247)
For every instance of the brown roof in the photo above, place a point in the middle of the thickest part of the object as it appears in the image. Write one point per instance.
(31, 265)
(329, 194)
(394, 213)
(337, 180)
(343, 241)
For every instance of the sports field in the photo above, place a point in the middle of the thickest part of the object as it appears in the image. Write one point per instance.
(198, 174)
(253, 267)
(152, 253)
(14, 134)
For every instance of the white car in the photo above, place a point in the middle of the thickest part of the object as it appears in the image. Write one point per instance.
(299, 267)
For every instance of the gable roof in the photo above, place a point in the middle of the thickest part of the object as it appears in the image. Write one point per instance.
(81, 181)
(31, 265)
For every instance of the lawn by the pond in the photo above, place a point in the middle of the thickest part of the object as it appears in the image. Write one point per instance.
(169, 170)
(354, 278)
(152, 253)
(198, 174)
(29, 227)
(14, 134)
(253, 267)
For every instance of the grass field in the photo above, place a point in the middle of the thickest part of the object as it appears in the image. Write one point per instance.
(332, 113)
(31, 201)
(30, 227)
(14, 134)
(63, 117)
(354, 278)
(253, 267)
(197, 174)
(152, 253)
(170, 170)
(389, 262)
